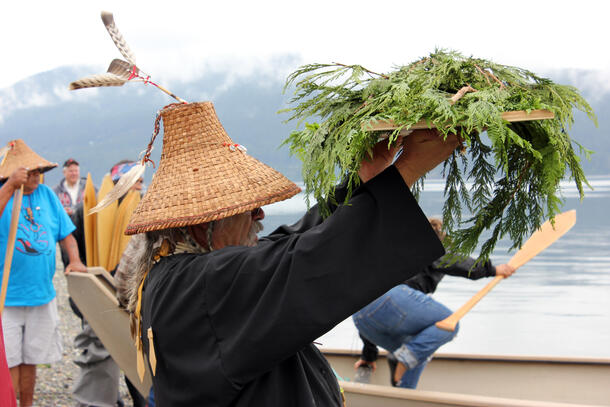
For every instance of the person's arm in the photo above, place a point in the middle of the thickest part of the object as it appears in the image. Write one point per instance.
(467, 268)
(369, 354)
(70, 246)
(14, 182)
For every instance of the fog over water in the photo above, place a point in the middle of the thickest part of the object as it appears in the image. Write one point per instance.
(557, 304)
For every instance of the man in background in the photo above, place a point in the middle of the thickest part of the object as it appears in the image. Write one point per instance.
(71, 188)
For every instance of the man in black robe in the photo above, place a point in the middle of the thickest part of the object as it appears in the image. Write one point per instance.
(224, 321)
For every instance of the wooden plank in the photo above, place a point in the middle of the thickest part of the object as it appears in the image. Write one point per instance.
(96, 300)
(513, 116)
(105, 276)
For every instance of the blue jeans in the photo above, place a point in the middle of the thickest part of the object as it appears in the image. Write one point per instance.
(402, 322)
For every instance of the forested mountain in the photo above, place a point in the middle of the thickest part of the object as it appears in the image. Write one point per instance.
(102, 126)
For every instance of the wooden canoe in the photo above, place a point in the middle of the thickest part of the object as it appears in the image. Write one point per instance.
(482, 380)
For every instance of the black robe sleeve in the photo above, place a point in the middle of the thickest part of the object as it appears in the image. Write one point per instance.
(466, 268)
(266, 303)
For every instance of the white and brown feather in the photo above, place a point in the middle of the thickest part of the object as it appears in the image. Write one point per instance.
(122, 68)
(117, 38)
(95, 81)
(124, 184)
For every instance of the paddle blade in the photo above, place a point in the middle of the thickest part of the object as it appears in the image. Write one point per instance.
(105, 222)
(544, 237)
(538, 241)
(89, 222)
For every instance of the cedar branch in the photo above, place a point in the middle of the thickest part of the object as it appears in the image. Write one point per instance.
(363, 68)
(460, 93)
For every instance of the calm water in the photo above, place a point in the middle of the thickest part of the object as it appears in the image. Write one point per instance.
(557, 304)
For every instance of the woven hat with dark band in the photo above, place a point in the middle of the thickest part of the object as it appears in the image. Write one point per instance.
(20, 155)
(204, 176)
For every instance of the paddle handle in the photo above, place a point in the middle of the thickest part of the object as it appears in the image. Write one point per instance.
(10, 244)
(449, 323)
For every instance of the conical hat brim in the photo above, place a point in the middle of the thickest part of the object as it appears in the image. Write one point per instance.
(203, 176)
(20, 155)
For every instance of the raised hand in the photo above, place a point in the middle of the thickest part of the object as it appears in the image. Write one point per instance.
(381, 159)
(422, 151)
(505, 270)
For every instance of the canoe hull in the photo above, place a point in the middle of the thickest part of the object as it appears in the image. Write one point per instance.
(580, 381)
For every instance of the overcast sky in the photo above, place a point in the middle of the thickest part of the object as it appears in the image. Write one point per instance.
(182, 39)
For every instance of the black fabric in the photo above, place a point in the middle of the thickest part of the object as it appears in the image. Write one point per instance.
(369, 350)
(234, 327)
(427, 280)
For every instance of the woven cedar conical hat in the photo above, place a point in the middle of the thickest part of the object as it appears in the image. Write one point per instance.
(203, 176)
(20, 155)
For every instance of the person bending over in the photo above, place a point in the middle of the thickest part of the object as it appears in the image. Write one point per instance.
(402, 320)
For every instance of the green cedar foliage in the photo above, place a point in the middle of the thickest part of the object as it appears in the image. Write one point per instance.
(507, 184)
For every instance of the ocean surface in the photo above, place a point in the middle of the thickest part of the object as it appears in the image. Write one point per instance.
(558, 304)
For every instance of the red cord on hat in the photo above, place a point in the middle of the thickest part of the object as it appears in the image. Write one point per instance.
(234, 146)
(133, 73)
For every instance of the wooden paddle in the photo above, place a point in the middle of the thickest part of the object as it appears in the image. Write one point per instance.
(89, 223)
(10, 244)
(105, 223)
(540, 240)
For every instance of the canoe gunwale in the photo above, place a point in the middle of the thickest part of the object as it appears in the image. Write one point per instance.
(488, 358)
(442, 398)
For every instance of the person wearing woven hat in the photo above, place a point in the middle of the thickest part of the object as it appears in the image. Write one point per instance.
(222, 319)
(30, 314)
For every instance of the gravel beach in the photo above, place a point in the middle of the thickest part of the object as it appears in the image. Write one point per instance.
(54, 382)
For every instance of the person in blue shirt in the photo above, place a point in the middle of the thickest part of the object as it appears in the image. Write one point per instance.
(30, 315)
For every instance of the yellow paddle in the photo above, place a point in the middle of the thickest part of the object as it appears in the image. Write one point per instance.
(105, 222)
(89, 223)
(540, 240)
(10, 244)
